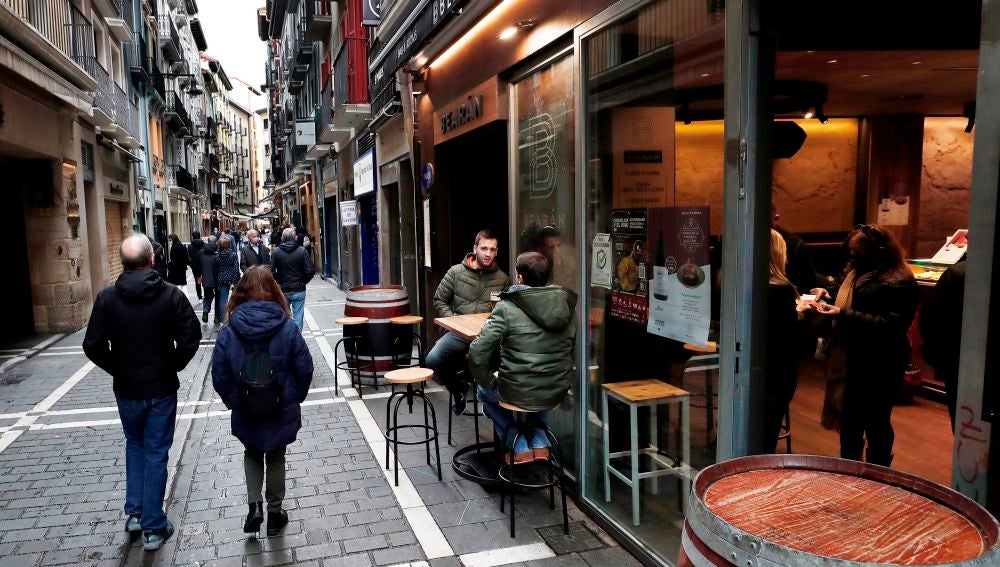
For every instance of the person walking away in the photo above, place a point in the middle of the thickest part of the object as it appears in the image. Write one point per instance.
(262, 369)
(941, 328)
(194, 251)
(782, 332)
(873, 310)
(293, 268)
(227, 273)
(254, 252)
(178, 264)
(276, 238)
(535, 325)
(465, 289)
(207, 260)
(159, 259)
(143, 332)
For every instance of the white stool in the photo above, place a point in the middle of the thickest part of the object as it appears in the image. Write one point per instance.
(648, 393)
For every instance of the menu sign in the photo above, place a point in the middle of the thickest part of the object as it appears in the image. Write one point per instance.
(629, 280)
(601, 268)
(643, 143)
(680, 306)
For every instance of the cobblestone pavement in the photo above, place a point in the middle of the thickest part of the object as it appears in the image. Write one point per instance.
(62, 477)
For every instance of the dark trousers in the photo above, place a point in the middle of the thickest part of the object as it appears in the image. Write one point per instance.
(210, 298)
(265, 465)
(446, 359)
(867, 414)
(197, 287)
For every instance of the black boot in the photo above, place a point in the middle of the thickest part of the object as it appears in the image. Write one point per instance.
(276, 521)
(255, 518)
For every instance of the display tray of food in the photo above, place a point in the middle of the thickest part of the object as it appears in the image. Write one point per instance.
(925, 272)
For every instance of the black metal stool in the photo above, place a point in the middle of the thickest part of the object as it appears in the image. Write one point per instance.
(525, 422)
(404, 340)
(409, 377)
(460, 375)
(786, 431)
(356, 348)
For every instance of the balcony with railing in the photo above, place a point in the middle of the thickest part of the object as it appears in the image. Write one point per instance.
(54, 31)
(175, 113)
(317, 20)
(186, 180)
(119, 16)
(170, 41)
(350, 110)
(113, 111)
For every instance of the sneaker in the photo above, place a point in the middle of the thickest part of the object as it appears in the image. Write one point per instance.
(132, 524)
(542, 454)
(276, 521)
(151, 541)
(460, 404)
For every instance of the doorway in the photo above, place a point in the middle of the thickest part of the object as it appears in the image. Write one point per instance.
(368, 221)
(19, 322)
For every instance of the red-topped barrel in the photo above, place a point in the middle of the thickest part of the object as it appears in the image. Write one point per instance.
(811, 510)
(378, 303)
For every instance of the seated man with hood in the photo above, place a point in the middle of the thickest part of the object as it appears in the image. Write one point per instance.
(533, 328)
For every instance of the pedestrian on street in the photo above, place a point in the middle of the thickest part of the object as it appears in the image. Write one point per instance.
(179, 260)
(465, 289)
(194, 253)
(293, 268)
(207, 260)
(159, 259)
(262, 369)
(227, 273)
(143, 332)
(254, 252)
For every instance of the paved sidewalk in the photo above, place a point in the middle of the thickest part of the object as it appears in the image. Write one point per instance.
(62, 478)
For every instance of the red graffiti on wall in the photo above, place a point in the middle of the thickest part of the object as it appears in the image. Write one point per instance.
(971, 448)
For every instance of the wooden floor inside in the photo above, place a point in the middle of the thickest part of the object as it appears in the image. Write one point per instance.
(923, 431)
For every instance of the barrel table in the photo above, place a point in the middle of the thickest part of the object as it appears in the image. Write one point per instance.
(807, 510)
(379, 303)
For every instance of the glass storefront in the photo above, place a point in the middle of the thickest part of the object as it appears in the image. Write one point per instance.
(652, 86)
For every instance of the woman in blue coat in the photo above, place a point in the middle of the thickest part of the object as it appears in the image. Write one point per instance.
(227, 273)
(260, 320)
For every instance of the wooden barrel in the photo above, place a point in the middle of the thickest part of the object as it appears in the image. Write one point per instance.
(808, 510)
(378, 303)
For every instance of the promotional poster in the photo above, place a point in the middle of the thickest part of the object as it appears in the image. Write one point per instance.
(630, 280)
(680, 305)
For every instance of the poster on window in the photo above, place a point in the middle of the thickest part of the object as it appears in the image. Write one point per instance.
(680, 302)
(629, 281)
(643, 145)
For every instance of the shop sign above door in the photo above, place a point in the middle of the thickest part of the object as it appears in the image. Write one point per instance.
(481, 105)
(364, 174)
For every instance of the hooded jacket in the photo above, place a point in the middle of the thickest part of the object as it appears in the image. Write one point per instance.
(207, 261)
(132, 334)
(465, 289)
(292, 266)
(194, 252)
(256, 322)
(534, 328)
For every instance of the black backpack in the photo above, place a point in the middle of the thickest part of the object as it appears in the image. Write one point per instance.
(260, 392)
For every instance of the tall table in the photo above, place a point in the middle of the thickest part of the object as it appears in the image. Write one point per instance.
(465, 326)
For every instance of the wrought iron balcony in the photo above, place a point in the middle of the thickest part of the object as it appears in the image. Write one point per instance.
(318, 20)
(176, 114)
(113, 111)
(186, 180)
(350, 74)
(58, 21)
(170, 41)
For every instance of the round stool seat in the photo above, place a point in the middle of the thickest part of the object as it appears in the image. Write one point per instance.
(710, 348)
(352, 320)
(406, 320)
(512, 407)
(409, 375)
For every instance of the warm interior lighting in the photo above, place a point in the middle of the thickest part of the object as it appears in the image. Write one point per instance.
(808, 114)
(507, 33)
(458, 46)
(865, 76)
(832, 61)
(916, 62)
(703, 75)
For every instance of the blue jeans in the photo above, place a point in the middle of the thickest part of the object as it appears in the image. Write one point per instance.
(149, 433)
(502, 418)
(447, 358)
(221, 299)
(297, 301)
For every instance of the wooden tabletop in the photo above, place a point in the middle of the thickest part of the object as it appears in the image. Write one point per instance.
(409, 375)
(465, 326)
(644, 390)
(710, 348)
(406, 320)
(352, 320)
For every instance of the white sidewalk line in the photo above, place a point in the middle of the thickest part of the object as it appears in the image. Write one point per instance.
(28, 353)
(428, 533)
(507, 555)
(44, 406)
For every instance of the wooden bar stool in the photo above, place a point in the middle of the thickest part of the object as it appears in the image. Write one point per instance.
(708, 358)
(525, 422)
(409, 377)
(405, 340)
(356, 348)
(649, 393)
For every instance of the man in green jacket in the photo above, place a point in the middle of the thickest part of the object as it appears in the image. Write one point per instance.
(465, 289)
(534, 329)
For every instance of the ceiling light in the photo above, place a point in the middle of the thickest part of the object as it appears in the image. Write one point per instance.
(512, 31)
(820, 116)
(916, 62)
(507, 33)
(832, 61)
(865, 76)
(705, 75)
(808, 114)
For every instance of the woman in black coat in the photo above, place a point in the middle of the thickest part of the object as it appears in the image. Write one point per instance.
(782, 334)
(259, 319)
(178, 264)
(872, 315)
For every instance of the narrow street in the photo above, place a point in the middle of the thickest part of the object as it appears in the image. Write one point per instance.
(62, 477)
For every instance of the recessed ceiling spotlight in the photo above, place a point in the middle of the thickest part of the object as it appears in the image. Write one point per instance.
(507, 33)
(831, 61)
(808, 114)
(705, 74)
(865, 76)
(512, 31)
(916, 62)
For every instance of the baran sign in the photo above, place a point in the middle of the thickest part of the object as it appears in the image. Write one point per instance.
(466, 112)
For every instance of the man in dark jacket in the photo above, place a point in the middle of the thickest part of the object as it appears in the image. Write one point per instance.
(143, 332)
(941, 329)
(293, 268)
(536, 325)
(207, 259)
(465, 289)
(254, 252)
(194, 250)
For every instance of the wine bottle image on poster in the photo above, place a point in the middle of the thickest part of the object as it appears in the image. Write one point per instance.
(630, 279)
(680, 306)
